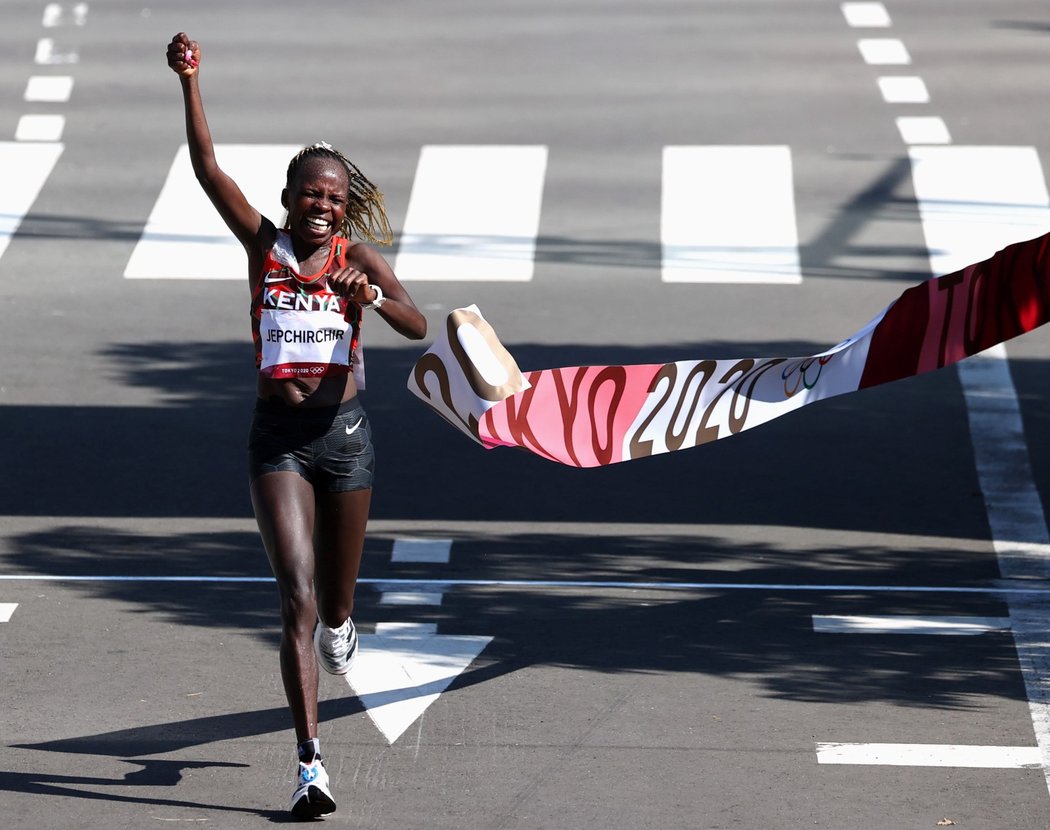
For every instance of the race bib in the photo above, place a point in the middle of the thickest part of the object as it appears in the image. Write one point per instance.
(304, 343)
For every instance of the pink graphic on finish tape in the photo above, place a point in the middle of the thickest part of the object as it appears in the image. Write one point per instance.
(587, 416)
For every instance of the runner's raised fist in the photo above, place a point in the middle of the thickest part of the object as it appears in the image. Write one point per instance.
(184, 55)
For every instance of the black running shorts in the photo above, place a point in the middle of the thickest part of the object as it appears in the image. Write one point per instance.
(331, 447)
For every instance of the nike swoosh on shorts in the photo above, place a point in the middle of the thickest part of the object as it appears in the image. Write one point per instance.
(353, 429)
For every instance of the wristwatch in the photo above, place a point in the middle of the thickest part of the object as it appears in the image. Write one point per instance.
(379, 300)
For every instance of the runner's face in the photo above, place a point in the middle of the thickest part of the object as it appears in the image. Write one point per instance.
(317, 200)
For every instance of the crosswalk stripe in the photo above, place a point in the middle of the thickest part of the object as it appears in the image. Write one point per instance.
(185, 238)
(473, 214)
(974, 201)
(728, 215)
(727, 212)
(24, 167)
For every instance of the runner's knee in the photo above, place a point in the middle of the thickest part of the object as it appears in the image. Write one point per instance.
(298, 607)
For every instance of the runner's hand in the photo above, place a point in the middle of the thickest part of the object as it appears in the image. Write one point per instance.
(184, 55)
(352, 284)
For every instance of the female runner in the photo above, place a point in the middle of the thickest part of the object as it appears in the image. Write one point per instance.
(310, 451)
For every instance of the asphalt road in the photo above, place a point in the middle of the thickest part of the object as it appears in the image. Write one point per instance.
(128, 702)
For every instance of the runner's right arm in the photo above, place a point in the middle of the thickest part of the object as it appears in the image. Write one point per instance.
(241, 218)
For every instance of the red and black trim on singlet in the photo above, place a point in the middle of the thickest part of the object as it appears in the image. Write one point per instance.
(283, 308)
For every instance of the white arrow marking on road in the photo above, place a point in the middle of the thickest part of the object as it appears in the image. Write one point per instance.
(6, 610)
(401, 671)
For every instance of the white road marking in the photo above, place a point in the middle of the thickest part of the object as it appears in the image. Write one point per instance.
(398, 674)
(958, 626)
(974, 201)
(46, 55)
(410, 598)
(54, 15)
(24, 168)
(435, 551)
(52, 89)
(927, 129)
(728, 215)
(930, 755)
(474, 214)
(903, 89)
(40, 128)
(185, 238)
(883, 52)
(6, 610)
(864, 15)
(394, 629)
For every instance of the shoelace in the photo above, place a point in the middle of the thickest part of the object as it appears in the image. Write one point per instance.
(339, 644)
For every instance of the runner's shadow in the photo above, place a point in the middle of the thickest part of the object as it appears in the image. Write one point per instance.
(162, 738)
(153, 773)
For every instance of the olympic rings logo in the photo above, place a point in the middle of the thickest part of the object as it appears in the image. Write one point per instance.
(803, 371)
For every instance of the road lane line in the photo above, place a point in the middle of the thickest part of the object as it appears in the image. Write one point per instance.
(6, 610)
(51, 89)
(923, 129)
(473, 214)
(974, 201)
(930, 755)
(885, 624)
(903, 90)
(55, 16)
(728, 215)
(866, 15)
(40, 128)
(883, 52)
(46, 56)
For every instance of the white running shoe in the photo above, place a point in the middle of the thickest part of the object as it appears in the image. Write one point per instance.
(336, 647)
(312, 797)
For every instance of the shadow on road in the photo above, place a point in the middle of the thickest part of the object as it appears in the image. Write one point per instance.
(893, 460)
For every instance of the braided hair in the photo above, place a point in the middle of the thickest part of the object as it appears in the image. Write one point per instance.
(365, 212)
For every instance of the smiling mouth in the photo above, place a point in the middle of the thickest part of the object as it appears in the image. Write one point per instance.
(318, 224)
